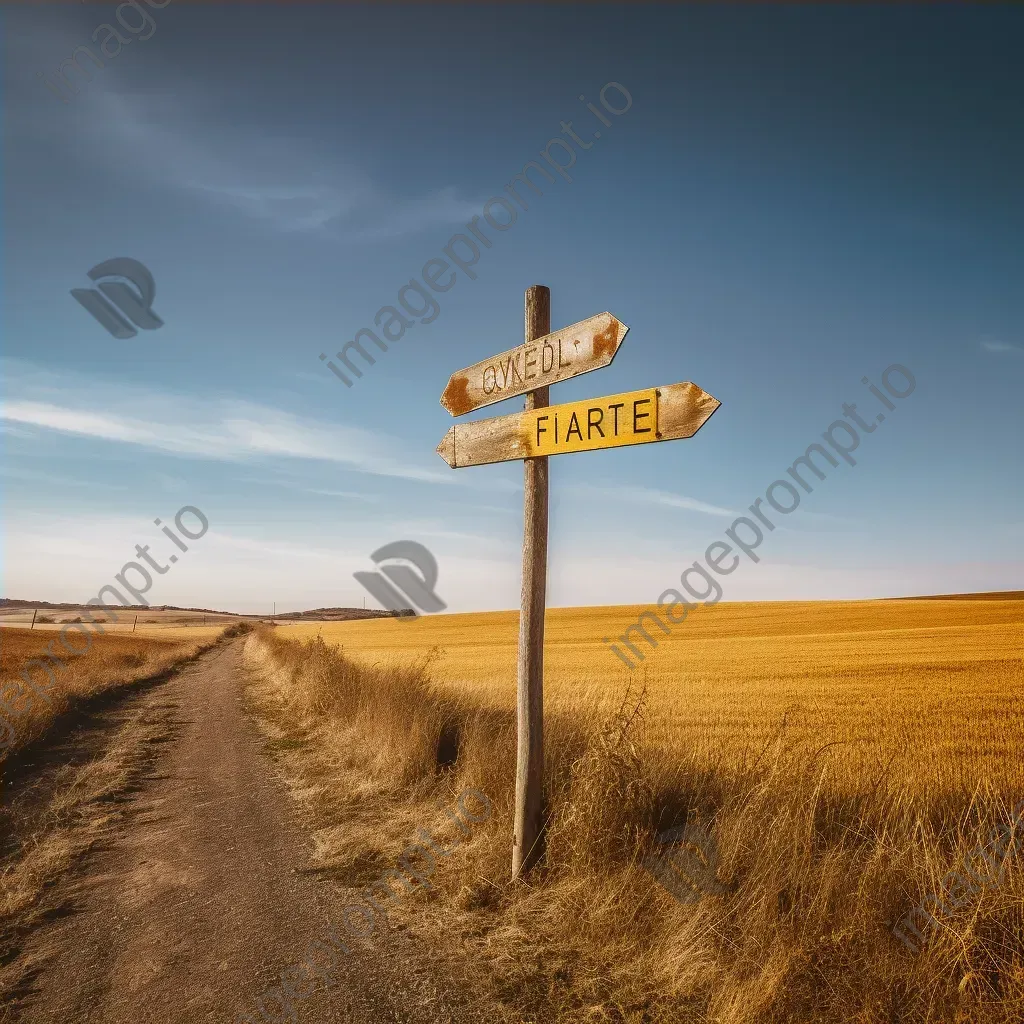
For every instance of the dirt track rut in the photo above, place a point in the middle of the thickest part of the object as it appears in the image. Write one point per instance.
(205, 893)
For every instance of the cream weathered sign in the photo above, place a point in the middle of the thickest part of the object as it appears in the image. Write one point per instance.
(577, 349)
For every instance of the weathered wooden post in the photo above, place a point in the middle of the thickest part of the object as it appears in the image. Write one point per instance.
(667, 413)
(34, 614)
(530, 673)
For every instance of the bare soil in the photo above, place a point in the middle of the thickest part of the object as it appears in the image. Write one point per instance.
(193, 888)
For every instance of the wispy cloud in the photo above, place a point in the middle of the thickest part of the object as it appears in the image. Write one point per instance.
(57, 480)
(1000, 346)
(288, 207)
(355, 210)
(805, 516)
(342, 494)
(648, 495)
(419, 528)
(172, 140)
(223, 429)
(651, 496)
(293, 485)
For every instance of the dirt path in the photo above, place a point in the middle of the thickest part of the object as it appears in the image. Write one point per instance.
(204, 893)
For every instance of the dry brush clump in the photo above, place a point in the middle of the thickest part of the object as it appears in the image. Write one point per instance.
(819, 854)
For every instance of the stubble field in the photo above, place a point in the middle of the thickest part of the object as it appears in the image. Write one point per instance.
(158, 623)
(61, 681)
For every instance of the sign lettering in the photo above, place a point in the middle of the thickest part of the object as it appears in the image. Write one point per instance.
(597, 423)
(577, 349)
(637, 417)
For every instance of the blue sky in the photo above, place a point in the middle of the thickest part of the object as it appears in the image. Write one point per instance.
(796, 198)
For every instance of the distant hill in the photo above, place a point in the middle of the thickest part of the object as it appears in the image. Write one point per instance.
(990, 595)
(10, 603)
(64, 606)
(342, 613)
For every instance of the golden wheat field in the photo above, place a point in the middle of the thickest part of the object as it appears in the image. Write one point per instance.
(849, 759)
(930, 691)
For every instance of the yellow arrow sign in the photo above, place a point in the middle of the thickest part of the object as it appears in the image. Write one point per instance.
(636, 417)
(577, 349)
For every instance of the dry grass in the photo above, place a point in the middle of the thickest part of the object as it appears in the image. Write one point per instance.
(111, 660)
(844, 755)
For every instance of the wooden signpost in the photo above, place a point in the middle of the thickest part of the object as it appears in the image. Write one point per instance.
(664, 413)
(585, 346)
(636, 417)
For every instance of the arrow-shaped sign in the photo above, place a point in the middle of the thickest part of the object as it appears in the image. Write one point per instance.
(585, 346)
(636, 417)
